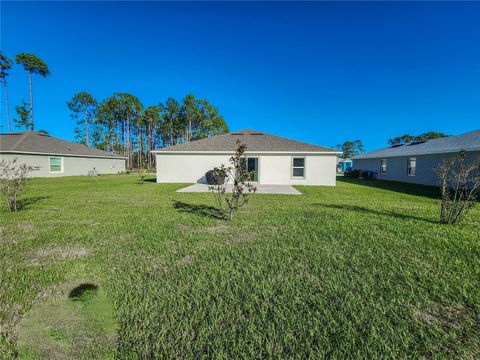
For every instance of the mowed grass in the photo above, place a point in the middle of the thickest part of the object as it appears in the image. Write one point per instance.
(361, 270)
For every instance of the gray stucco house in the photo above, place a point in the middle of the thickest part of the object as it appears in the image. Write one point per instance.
(414, 162)
(56, 157)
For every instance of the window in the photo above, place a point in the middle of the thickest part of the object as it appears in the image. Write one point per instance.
(411, 167)
(383, 166)
(298, 167)
(56, 164)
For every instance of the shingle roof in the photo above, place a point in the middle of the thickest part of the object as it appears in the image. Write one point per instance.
(34, 142)
(255, 141)
(469, 142)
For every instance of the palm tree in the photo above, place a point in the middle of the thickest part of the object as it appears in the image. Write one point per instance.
(33, 65)
(5, 65)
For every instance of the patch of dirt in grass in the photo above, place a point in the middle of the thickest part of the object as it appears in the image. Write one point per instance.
(69, 327)
(25, 225)
(87, 222)
(242, 237)
(184, 227)
(24, 230)
(157, 266)
(55, 253)
(185, 261)
(445, 316)
(216, 230)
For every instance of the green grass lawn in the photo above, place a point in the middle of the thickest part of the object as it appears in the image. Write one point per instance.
(361, 270)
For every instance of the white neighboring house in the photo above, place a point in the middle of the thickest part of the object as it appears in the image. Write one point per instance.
(273, 159)
(56, 157)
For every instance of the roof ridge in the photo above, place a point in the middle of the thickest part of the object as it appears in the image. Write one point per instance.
(22, 138)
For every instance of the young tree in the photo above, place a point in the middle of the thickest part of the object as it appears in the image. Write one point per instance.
(459, 182)
(83, 104)
(32, 65)
(351, 148)
(5, 65)
(237, 173)
(23, 120)
(13, 177)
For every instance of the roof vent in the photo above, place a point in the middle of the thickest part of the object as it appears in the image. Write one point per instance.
(237, 134)
(256, 133)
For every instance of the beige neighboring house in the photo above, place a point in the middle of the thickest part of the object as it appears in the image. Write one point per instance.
(56, 157)
(274, 160)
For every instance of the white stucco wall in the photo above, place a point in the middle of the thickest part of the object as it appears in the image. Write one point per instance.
(272, 168)
(71, 165)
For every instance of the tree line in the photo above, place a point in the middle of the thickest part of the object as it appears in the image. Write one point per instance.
(33, 65)
(121, 124)
(407, 138)
(354, 148)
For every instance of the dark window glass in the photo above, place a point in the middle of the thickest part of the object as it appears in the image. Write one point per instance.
(298, 162)
(298, 172)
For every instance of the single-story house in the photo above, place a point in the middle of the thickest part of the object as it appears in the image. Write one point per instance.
(415, 162)
(344, 164)
(273, 159)
(52, 156)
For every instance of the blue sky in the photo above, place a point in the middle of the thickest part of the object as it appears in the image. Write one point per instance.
(318, 72)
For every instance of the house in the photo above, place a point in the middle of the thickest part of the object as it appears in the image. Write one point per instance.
(414, 162)
(344, 164)
(56, 157)
(273, 159)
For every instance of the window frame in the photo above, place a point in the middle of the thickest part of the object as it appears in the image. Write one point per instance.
(409, 168)
(50, 164)
(304, 167)
(383, 167)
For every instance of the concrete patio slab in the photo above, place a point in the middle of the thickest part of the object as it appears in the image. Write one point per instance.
(261, 189)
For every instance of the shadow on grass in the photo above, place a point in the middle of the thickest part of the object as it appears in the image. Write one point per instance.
(202, 210)
(365, 210)
(154, 180)
(26, 202)
(410, 189)
(78, 292)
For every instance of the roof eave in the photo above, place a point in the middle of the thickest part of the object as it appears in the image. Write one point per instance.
(417, 153)
(205, 152)
(60, 154)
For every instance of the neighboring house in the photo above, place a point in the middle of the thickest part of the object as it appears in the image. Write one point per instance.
(414, 162)
(56, 157)
(344, 165)
(274, 159)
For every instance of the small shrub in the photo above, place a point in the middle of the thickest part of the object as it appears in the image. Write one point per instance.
(13, 177)
(215, 176)
(141, 177)
(236, 173)
(352, 174)
(459, 183)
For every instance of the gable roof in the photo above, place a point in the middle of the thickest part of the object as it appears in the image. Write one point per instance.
(469, 142)
(32, 142)
(255, 141)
